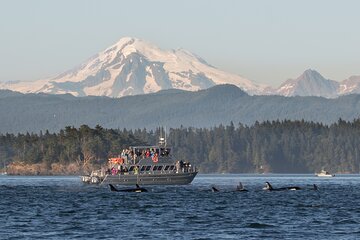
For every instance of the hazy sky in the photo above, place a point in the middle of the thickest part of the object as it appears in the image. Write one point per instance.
(264, 41)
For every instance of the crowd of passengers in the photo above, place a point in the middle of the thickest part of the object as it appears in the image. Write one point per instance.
(133, 154)
(120, 169)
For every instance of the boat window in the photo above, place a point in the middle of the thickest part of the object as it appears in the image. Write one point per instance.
(159, 168)
(143, 168)
(172, 167)
(166, 167)
(148, 168)
(131, 168)
(155, 168)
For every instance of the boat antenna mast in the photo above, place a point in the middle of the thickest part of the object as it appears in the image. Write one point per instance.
(162, 140)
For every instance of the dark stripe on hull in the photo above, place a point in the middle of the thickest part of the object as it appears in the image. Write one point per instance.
(151, 179)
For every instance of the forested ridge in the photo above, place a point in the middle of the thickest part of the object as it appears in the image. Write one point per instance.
(173, 108)
(276, 146)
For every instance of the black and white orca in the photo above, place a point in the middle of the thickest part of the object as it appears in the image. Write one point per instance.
(137, 189)
(240, 188)
(269, 187)
(214, 189)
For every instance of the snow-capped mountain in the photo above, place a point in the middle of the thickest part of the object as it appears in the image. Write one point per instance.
(133, 66)
(310, 83)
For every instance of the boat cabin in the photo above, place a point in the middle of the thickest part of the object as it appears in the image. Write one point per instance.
(146, 160)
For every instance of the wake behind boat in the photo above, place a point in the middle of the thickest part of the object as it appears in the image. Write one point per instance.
(144, 165)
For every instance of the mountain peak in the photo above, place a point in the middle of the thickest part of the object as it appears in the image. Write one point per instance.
(133, 66)
(125, 40)
(309, 83)
(128, 45)
(310, 74)
(310, 71)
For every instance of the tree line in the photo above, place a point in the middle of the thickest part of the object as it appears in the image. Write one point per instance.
(271, 146)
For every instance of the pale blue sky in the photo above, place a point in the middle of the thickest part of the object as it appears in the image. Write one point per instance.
(264, 41)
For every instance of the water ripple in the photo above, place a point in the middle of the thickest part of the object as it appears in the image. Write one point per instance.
(63, 208)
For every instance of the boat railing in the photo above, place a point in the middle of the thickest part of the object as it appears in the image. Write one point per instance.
(101, 173)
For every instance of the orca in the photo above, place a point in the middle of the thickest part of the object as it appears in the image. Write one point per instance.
(268, 187)
(137, 189)
(240, 188)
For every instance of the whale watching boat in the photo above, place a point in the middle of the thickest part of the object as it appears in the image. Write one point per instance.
(144, 165)
(324, 173)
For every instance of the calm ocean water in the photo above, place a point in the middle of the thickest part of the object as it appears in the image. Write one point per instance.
(64, 208)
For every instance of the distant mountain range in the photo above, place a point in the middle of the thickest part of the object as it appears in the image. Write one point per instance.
(133, 66)
(171, 108)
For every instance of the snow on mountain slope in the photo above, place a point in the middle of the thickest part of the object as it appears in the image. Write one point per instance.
(133, 66)
(310, 83)
(349, 86)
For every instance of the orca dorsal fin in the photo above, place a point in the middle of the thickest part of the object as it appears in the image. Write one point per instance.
(137, 186)
(240, 186)
(112, 188)
(268, 186)
(315, 187)
(214, 189)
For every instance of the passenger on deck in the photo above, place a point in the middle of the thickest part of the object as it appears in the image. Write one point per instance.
(186, 166)
(121, 171)
(143, 154)
(177, 166)
(182, 166)
(136, 170)
(114, 171)
(167, 152)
